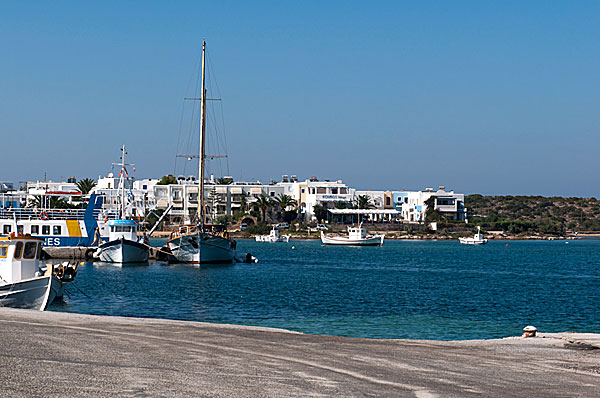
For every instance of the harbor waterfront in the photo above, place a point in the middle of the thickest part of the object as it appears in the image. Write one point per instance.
(437, 290)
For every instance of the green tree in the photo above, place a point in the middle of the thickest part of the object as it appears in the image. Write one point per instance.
(320, 212)
(263, 203)
(212, 202)
(167, 180)
(243, 202)
(283, 202)
(86, 185)
(224, 181)
(363, 202)
(431, 214)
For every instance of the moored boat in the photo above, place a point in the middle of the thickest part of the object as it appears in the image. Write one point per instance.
(201, 243)
(477, 239)
(58, 227)
(357, 236)
(273, 237)
(22, 282)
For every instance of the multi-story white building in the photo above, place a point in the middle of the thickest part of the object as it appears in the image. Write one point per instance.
(312, 192)
(413, 207)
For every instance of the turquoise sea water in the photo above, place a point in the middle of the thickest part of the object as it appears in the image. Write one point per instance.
(405, 289)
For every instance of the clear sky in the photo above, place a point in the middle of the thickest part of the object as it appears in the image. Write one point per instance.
(479, 96)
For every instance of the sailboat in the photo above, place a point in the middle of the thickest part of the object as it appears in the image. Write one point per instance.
(123, 245)
(202, 243)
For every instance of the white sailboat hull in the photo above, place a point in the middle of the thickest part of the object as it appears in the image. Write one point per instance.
(375, 240)
(34, 293)
(123, 251)
(202, 248)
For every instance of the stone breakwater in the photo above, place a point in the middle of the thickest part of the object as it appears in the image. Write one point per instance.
(56, 354)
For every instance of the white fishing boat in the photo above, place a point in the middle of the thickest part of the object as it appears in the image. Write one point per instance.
(477, 239)
(22, 282)
(201, 243)
(273, 237)
(357, 236)
(123, 244)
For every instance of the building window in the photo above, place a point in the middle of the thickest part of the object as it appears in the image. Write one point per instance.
(343, 191)
(35, 229)
(302, 190)
(321, 190)
(334, 191)
(56, 229)
(272, 193)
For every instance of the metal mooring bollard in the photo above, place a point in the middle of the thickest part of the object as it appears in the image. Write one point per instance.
(529, 331)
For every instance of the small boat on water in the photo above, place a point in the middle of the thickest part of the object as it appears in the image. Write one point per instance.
(477, 239)
(23, 284)
(123, 245)
(357, 236)
(273, 237)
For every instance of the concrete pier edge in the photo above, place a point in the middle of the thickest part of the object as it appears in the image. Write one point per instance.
(63, 354)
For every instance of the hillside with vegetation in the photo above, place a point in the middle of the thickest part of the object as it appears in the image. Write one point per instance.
(526, 214)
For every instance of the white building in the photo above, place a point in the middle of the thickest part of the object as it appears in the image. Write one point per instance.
(413, 207)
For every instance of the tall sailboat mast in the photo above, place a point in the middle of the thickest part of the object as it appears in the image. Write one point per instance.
(201, 212)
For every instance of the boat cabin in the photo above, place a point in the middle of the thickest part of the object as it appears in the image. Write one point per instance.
(19, 257)
(357, 232)
(126, 229)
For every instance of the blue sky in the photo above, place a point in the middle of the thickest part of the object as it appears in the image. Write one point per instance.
(482, 97)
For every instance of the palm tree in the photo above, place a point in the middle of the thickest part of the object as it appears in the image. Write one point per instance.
(283, 202)
(243, 202)
(86, 185)
(364, 202)
(263, 203)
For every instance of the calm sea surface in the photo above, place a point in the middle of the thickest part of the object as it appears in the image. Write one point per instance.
(405, 289)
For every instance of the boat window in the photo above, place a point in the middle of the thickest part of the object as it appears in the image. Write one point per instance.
(30, 249)
(19, 229)
(35, 229)
(39, 252)
(45, 229)
(56, 230)
(18, 250)
(6, 229)
(3, 251)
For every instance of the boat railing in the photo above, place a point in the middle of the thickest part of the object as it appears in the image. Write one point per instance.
(51, 214)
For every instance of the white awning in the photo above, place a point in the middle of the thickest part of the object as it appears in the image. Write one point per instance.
(392, 212)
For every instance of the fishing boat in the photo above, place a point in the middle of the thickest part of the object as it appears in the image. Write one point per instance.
(201, 243)
(123, 245)
(357, 236)
(477, 239)
(273, 237)
(22, 282)
(58, 227)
